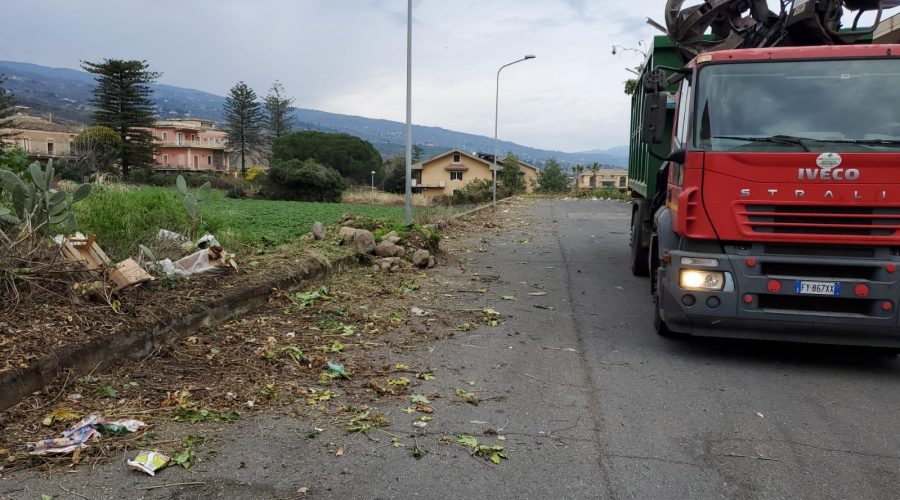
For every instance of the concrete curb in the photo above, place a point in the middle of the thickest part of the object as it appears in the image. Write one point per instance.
(15, 385)
(469, 213)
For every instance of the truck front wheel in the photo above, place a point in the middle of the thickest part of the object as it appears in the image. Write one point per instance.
(639, 252)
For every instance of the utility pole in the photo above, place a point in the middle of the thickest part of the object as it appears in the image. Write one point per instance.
(408, 197)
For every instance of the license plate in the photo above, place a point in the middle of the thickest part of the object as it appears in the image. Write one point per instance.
(817, 288)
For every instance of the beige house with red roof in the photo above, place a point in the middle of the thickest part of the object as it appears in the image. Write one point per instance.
(451, 170)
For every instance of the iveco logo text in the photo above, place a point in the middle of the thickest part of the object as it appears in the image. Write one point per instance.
(833, 174)
(828, 170)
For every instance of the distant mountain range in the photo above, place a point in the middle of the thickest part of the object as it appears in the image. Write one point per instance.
(66, 93)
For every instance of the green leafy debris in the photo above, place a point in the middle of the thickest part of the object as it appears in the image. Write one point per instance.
(196, 416)
(306, 299)
(419, 399)
(465, 396)
(492, 453)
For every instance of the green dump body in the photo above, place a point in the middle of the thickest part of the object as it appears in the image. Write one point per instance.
(642, 167)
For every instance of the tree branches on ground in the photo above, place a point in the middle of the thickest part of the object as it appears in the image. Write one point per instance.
(353, 157)
(279, 120)
(6, 112)
(510, 178)
(552, 178)
(123, 104)
(244, 124)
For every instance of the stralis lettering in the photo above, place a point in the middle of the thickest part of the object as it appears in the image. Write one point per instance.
(828, 174)
(828, 194)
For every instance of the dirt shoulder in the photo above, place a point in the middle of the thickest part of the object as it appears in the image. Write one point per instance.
(280, 359)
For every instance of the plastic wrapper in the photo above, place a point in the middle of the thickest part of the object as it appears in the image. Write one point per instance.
(149, 462)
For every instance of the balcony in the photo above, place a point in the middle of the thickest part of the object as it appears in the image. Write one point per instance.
(417, 184)
(189, 144)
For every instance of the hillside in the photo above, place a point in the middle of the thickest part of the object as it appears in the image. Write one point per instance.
(66, 92)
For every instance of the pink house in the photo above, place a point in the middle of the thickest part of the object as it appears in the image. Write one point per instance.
(189, 144)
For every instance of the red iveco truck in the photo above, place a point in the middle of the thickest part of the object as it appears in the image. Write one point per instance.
(766, 185)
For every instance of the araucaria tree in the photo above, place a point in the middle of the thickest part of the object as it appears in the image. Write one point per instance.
(122, 102)
(6, 112)
(278, 112)
(244, 124)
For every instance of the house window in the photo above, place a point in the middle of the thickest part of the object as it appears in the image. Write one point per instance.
(26, 144)
(457, 158)
(593, 181)
(456, 176)
(196, 161)
(622, 181)
(165, 159)
(209, 160)
(179, 138)
(50, 149)
(165, 136)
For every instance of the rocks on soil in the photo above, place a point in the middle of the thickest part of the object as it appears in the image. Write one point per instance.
(346, 234)
(423, 259)
(389, 249)
(318, 230)
(392, 264)
(364, 241)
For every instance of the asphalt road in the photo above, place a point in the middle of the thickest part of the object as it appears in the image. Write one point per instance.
(593, 404)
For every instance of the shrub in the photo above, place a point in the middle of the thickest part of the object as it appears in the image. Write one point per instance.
(353, 157)
(122, 220)
(475, 191)
(194, 180)
(552, 179)
(96, 149)
(510, 179)
(236, 192)
(304, 181)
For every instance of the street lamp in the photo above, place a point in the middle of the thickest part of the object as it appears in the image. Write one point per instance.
(407, 198)
(373, 185)
(496, 122)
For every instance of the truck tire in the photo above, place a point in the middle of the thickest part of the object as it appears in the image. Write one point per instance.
(639, 252)
(653, 262)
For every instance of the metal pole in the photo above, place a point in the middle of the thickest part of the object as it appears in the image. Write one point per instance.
(496, 144)
(408, 198)
(496, 125)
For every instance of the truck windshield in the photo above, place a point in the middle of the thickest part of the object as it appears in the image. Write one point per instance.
(851, 105)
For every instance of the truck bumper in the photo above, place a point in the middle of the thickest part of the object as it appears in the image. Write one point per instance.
(760, 299)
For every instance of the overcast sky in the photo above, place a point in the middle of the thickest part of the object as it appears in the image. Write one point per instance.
(349, 56)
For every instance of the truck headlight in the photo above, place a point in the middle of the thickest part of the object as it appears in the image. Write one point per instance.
(692, 279)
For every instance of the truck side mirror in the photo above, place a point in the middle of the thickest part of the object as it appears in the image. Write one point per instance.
(677, 156)
(654, 81)
(654, 124)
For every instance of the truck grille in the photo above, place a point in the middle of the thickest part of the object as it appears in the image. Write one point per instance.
(821, 220)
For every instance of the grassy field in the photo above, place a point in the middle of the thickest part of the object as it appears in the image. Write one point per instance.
(122, 219)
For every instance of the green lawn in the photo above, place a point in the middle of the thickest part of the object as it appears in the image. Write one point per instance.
(123, 219)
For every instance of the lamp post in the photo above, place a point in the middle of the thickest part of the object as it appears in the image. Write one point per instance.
(497, 120)
(373, 186)
(408, 195)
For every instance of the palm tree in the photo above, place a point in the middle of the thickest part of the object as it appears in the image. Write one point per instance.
(578, 169)
(595, 169)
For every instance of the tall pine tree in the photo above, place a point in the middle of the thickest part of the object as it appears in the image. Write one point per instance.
(278, 112)
(122, 102)
(6, 112)
(244, 124)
